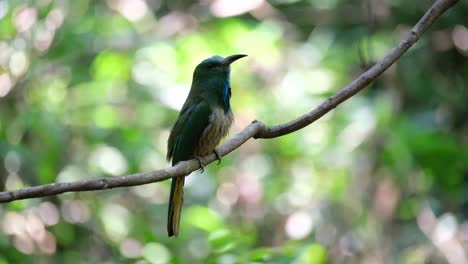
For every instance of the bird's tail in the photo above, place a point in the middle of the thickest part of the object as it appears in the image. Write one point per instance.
(176, 200)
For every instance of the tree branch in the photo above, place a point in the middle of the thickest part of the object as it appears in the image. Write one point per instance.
(255, 130)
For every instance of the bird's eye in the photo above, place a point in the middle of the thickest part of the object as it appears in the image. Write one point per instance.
(211, 65)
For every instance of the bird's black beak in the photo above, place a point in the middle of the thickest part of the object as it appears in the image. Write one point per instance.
(230, 59)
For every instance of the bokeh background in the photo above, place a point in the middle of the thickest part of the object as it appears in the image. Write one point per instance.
(91, 89)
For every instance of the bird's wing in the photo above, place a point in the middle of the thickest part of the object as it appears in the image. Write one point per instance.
(187, 108)
(187, 131)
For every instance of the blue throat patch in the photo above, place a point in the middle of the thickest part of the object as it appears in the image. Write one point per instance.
(226, 93)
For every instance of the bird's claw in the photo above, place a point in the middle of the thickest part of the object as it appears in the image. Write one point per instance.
(200, 162)
(218, 156)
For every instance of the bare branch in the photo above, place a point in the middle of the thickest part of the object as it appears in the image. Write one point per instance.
(255, 130)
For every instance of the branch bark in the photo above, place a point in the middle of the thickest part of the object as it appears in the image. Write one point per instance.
(255, 130)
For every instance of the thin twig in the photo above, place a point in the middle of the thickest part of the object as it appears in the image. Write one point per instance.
(255, 130)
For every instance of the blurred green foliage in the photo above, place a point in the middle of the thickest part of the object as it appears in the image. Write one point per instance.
(91, 89)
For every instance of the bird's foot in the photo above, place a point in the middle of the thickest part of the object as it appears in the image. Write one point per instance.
(201, 163)
(218, 156)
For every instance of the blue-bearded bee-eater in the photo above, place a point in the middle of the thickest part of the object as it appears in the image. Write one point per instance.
(205, 118)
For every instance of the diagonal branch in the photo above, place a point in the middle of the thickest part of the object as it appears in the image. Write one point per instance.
(255, 130)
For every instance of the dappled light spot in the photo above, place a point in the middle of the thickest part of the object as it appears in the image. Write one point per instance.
(155, 67)
(443, 232)
(463, 233)
(460, 39)
(24, 17)
(153, 160)
(3, 8)
(116, 221)
(13, 223)
(48, 213)
(303, 187)
(227, 8)
(106, 116)
(156, 253)
(198, 248)
(386, 198)
(144, 73)
(133, 10)
(109, 160)
(160, 142)
(70, 173)
(300, 82)
(19, 63)
(301, 193)
(161, 59)
(156, 194)
(5, 52)
(75, 211)
(174, 96)
(250, 190)
(320, 41)
(358, 130)
(55, 19)
(445, 228)
(12, 162)
(28, 232)
(258, 164)
(299, 225)
(426, 220)
(43, 38)
(13, 182)
(261, 41)
(34, 226)
(323, 80)
(18, 44)
(131, 248)
(47, 244)
(316, 139)
(227, 259)
(56, 92)
(24, 244)
(176, 22)
(6, 83)
(227, 194)
(310, 53)
(200, 186)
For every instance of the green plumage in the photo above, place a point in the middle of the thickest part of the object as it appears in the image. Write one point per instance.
(204, 119)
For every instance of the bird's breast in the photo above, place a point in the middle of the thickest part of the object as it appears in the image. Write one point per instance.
(217, 128)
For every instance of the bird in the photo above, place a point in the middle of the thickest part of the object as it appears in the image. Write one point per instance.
(204, 119)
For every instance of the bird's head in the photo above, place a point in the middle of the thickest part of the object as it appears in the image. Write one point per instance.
(211, 80)
(215, 67)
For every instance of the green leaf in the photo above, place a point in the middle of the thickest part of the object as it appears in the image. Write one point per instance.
(203, 218)
(109, 66)
(222, 241)
(314, 254)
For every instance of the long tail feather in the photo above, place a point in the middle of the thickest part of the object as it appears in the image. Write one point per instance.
(176, 200)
